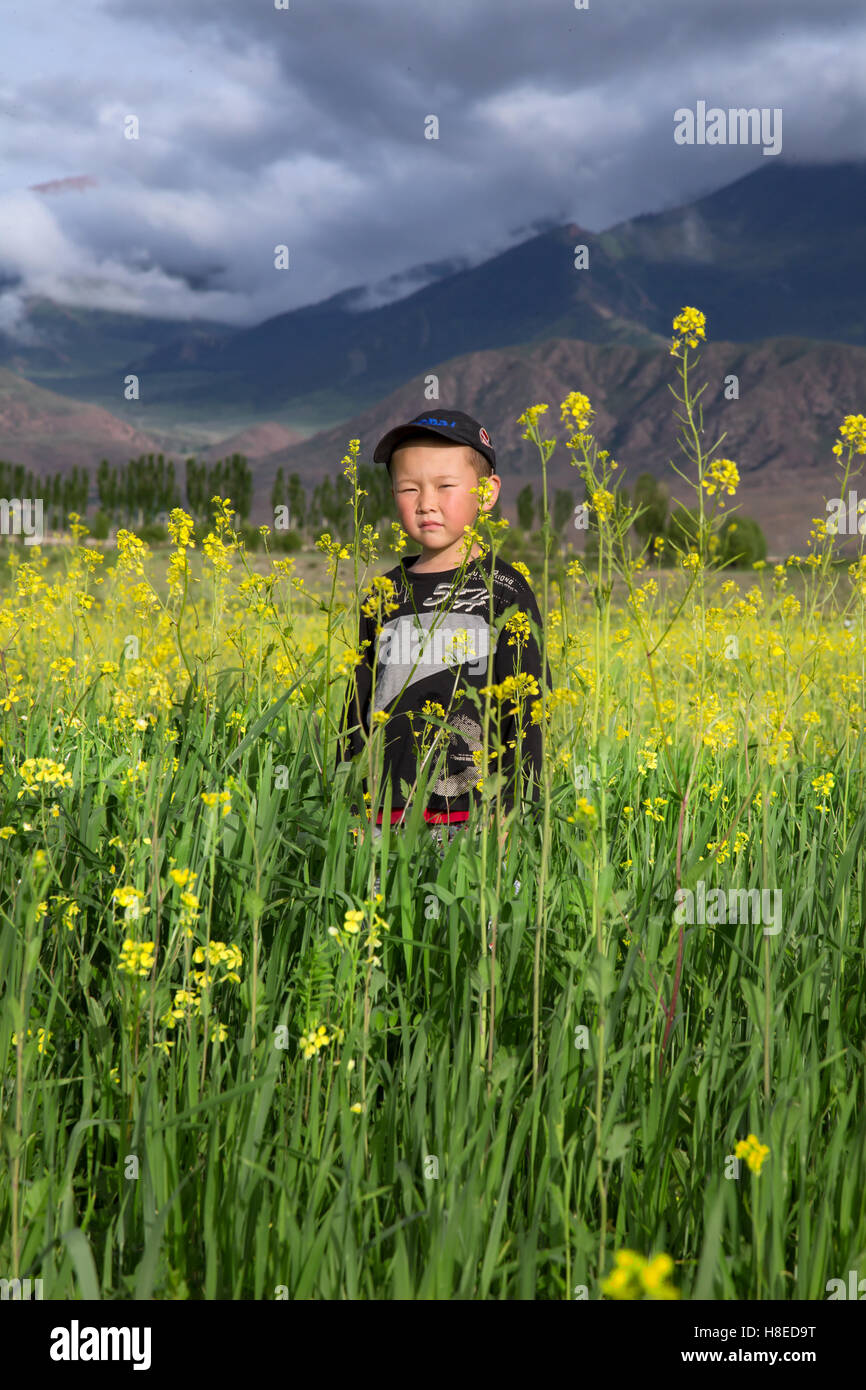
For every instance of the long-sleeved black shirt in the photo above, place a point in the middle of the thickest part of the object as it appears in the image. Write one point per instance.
(430, 648)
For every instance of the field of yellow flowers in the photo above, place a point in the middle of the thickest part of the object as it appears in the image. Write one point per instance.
(625, 1061)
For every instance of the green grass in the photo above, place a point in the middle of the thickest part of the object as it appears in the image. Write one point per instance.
(254, 1175)
(531, 1065)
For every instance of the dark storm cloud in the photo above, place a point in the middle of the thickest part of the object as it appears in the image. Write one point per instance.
(305, 126)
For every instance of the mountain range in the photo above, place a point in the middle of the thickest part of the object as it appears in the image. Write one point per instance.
(774, 260)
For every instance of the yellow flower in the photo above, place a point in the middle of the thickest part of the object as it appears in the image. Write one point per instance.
(381, 597)
(753, 1151)
(529, 418)
(43, 1038)
(314, 1040)
(180, 528)
(602, 501)
(43, 772)
(217, 553)
(656, 1274)
(182, 876)
(183, 1000)
(348, 661)
(62, 667)
(619, 1284)
(853, 430)
(516, 688)
(689, 326)
(136, 957)
(722, 474)
(131, 900)
(577, 405)
(131, 553)
(71, 911)
(518, 628)
(634, 1277)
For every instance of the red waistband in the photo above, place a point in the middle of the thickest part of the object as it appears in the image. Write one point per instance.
(431, 817)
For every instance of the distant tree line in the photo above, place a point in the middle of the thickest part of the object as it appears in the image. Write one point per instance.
(147, 486)
(134, 494)
(328, 503)
(668, 533)
(141, 493)
(60, 495)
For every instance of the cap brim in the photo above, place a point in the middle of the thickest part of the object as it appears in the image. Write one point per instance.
(388, 443)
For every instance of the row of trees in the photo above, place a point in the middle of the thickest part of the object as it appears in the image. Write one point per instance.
(146, 489)
(740, 538)
(60, 495)
(147, 486)
(327, 506)
(134, 494)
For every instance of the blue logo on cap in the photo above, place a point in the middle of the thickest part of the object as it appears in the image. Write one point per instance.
(431, 420)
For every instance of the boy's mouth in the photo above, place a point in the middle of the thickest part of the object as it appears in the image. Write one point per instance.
(428, 525)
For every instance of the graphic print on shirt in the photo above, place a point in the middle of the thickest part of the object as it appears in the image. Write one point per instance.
(468, 732)
(468, 598)
(410, 652)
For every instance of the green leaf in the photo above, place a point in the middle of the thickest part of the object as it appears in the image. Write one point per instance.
(605, 885)
(254, 904)
(600, 978)
(618, 1141)
(82, 1262)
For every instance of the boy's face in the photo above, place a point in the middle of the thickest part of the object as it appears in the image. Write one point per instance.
(431, 484)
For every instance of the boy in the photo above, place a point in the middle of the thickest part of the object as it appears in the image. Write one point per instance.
(436, 642)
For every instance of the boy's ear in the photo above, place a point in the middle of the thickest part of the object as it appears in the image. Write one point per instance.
(495, 478)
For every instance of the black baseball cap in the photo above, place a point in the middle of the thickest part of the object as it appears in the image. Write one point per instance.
(455, 425)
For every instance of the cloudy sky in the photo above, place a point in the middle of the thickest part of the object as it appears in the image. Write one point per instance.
(305, 126)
